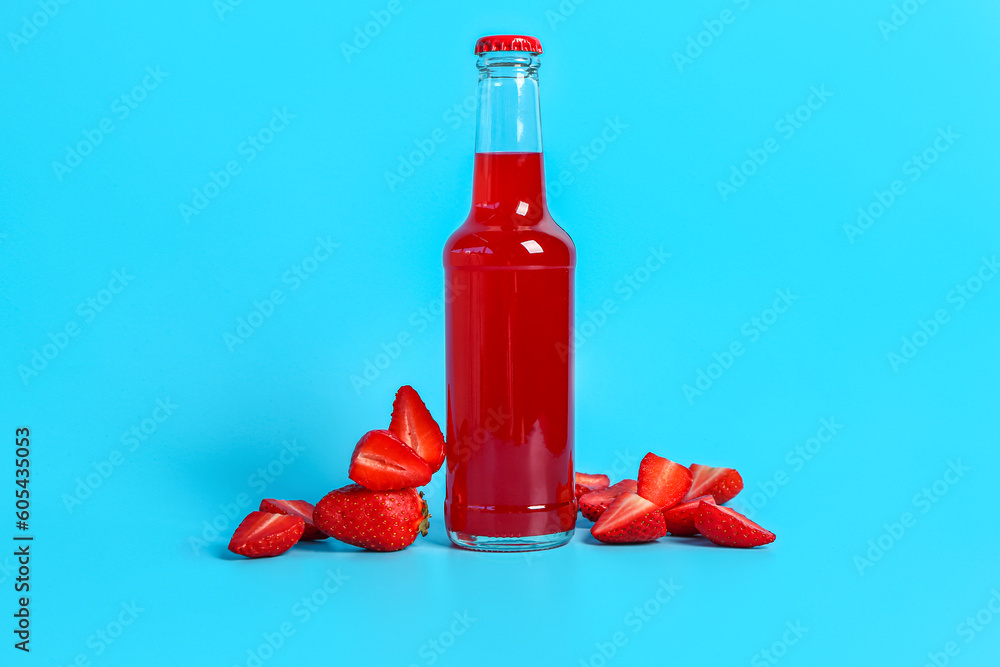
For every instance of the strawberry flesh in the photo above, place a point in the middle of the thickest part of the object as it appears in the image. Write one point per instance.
(630, 518)
(680, 518)
(593, 504)
(728, 528)
(263, 534)
(295, 508)
(586, 483)
(721, 483)
(383, 462)
(373, 520)
(662, 481)
(413, 424)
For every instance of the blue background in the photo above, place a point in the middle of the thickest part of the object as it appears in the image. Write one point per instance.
(141, 534)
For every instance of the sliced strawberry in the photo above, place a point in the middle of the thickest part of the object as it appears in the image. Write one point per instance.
(663, 481)
(383, 462)
(680, 518)
(728, 528)
(586, 483)
(412, 423)
(295, 508)
(264, 534)
(593, 504)
(721, 483)
(630, 518)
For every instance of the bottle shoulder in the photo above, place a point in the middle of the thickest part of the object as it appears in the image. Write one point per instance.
(544, 244)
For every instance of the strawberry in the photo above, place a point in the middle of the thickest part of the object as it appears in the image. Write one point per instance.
(295, 508)
(374, 520)
(586, 483)
(593, 504)
(264, 534)
(680, 518)
(383, 462)
(663, 481)
(630, 518)
(728, 528)
(722, 483)
(412, 423)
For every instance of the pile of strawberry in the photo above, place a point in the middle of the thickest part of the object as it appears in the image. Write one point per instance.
(668, 498)
(383, 511)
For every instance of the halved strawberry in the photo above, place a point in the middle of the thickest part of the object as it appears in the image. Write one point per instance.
(663, 481)
(721, 483)
(593, 504)
(374, 520)
(630, 518)
(586, 483)
(383, 462)
(263, 534)
(728, 528)
(412, 423)
(295, 508)
(680, 518)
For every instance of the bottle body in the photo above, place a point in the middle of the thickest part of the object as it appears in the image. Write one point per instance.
(509, 272)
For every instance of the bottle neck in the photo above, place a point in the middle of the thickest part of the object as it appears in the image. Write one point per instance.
(509, 177)
(509, 120)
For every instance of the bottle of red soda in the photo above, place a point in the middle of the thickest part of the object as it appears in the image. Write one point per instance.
(509, 327)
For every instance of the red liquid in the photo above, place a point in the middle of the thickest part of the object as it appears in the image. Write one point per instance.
(509, 272)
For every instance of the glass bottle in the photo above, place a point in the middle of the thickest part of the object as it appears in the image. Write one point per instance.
(509, 328)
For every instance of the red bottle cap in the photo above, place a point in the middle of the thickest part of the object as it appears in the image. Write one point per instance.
(508, 43)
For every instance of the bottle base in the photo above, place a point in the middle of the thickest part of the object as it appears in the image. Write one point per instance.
(509, 544)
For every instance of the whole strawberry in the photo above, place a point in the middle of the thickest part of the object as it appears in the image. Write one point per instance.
(374, 520)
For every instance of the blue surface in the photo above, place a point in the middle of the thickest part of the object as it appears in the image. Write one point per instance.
(123, 547)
